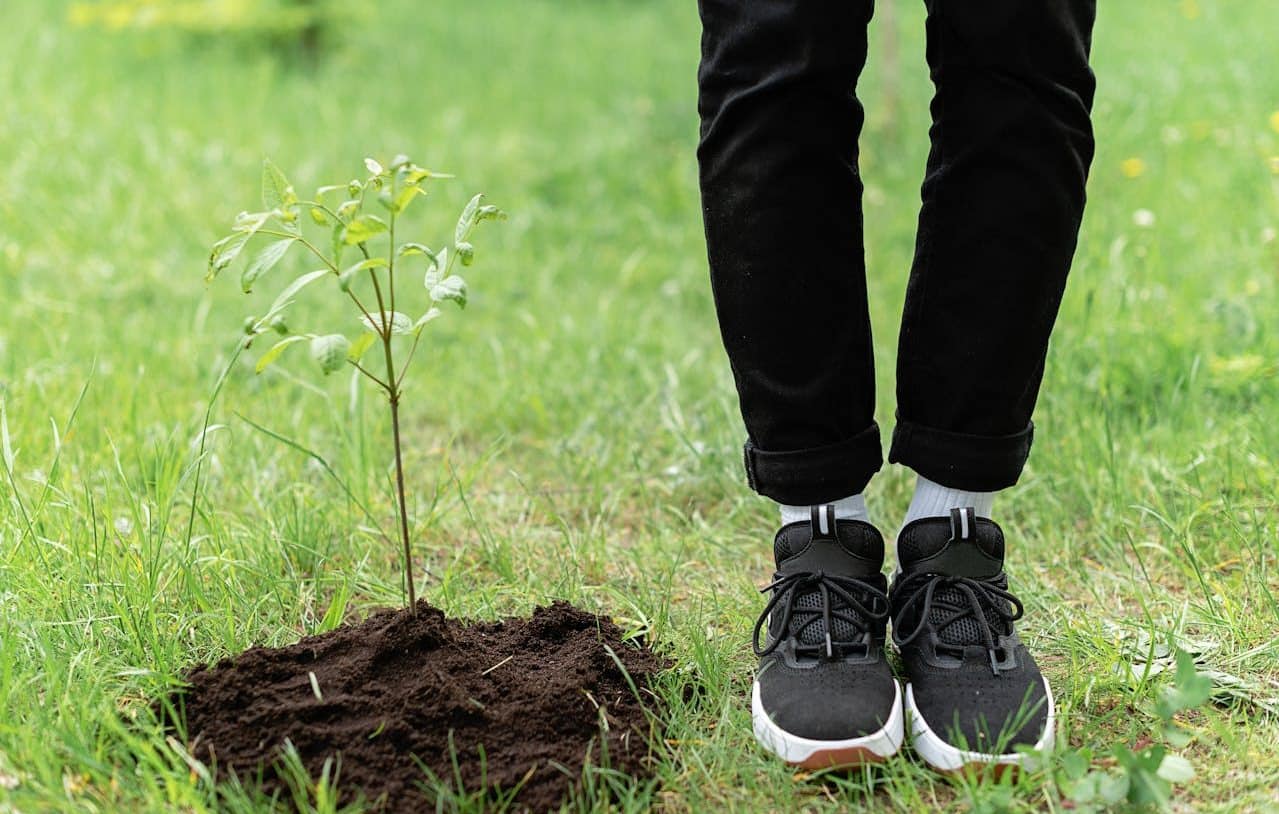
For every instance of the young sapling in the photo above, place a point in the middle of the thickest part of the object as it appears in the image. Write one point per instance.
(378, 280)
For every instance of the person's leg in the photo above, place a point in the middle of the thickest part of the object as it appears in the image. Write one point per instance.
(781, 197)
(1002, 202)
(782, 202)
(1003, 198)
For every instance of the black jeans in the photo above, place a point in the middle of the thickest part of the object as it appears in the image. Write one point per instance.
(1002, 200)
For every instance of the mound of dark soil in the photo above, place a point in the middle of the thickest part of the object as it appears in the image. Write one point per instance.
(534, 693)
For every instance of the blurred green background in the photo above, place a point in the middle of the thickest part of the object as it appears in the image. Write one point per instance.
(574, 433)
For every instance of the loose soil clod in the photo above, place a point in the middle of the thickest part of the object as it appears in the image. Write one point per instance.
(530, 691)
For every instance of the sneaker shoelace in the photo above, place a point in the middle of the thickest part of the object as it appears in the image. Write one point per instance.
(850, 609)
(939, 602)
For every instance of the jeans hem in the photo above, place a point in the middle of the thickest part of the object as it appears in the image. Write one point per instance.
(976, 463)
(807, 477)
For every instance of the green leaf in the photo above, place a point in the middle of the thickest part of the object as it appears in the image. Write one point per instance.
(414, 174)
(400, 323)
(286, 296)
(409, 249)
(1145, 787)
(344, 281)
(405, 197)
(224, 253)
(433, 313)
(250, 222)
(435, 271)
(363, 228)
(226, 250)
(1100, 787)
(277, 192)
(330, 351)
(274, 353)
(1177, 737)
(360, 346)
(467, 219)
(264, 261)
(1113, 788)
(348, 208)
(452, 287)
(1176, 769)
(1075, 764)
(325, 190)
(1190, 688)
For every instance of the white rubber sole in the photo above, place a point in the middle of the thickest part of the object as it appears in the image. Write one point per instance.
(814, 754)
(939, 754)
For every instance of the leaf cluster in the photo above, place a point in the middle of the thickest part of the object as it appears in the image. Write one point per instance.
(1142, 778)
(360, 252)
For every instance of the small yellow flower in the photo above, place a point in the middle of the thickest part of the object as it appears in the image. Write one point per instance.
(1252, 288)
(1274, 121)
(1190, 9)
(1132, 167)
(117, 17)
(80, 14)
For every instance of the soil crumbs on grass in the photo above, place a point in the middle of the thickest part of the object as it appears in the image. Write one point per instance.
(385, 694)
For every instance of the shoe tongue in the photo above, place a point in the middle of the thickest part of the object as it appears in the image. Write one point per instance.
(848, 548)
(844, 547)
(962, 545)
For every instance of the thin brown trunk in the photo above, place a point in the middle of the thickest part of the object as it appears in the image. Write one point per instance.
(404, 511)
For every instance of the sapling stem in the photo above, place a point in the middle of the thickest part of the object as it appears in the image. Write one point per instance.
(393, 393)
(404, 512)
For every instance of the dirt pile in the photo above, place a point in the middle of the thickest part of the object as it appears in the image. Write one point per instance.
(533, 692)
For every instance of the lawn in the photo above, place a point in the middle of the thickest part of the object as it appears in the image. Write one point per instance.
(574, 433)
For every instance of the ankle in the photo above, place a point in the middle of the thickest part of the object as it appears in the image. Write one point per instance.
(931, 499)
(852, 507)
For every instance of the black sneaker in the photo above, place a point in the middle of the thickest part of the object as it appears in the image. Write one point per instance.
(824, 695)
(975, 694)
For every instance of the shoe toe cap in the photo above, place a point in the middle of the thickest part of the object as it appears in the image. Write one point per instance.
(985, 714)
(845, 711)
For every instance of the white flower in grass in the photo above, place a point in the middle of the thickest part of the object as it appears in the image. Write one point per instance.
(1143, 218)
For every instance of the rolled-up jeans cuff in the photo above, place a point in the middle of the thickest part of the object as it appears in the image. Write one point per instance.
(807, 477)
(977, 463)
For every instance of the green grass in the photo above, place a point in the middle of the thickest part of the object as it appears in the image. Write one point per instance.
(574, 434)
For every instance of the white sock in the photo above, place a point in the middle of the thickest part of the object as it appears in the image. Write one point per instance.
(846, 508)
(934, 500)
